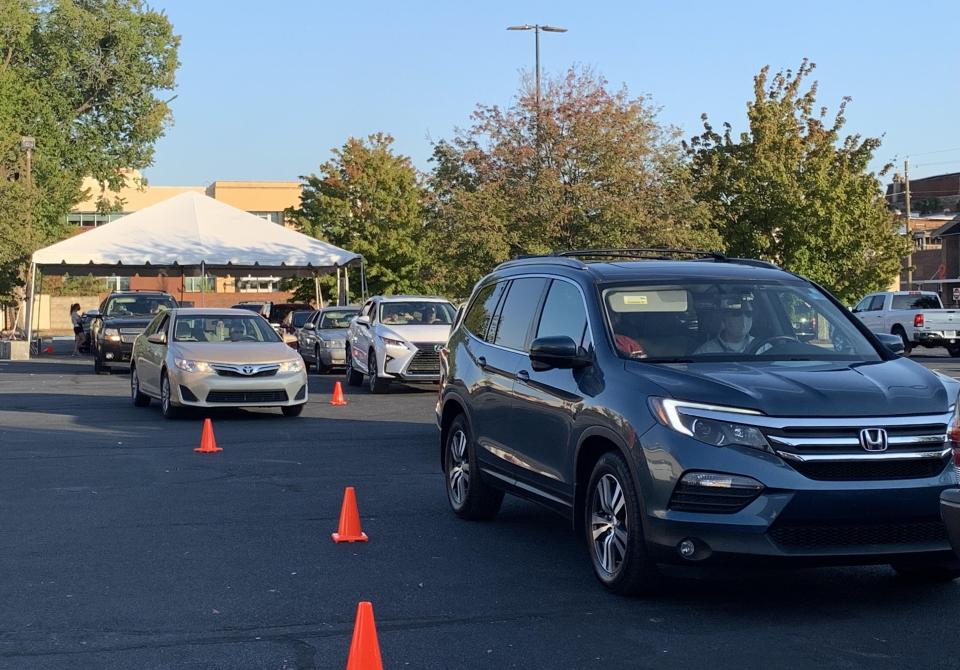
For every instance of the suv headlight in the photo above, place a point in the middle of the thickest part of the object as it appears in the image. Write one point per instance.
(296, 365)
(192, 366)
(717, 433)
(390, 342)
(112, 334)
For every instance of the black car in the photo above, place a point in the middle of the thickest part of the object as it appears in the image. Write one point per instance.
(678, 413)
(121, 317)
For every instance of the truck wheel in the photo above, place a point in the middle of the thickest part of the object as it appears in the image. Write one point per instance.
(954, 350)
(907, 344)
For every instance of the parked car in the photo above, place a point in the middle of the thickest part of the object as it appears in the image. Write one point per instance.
(215, 358)
(583, 386)
(260, 307)
(121, 318)
(279, 311)
(323, 337)
(294, 321)
(397, 338)
(917, 317)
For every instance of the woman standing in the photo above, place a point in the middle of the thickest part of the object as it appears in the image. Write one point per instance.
(77, 322)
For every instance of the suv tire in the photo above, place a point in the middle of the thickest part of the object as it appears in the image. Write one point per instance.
(354, 378)
(953, 350)
(139, 399)
(614, 530)
(167, 408)
(377, 384)
(469, 496)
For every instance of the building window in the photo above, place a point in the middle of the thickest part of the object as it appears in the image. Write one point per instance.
(200, 284)
(92, 219)
(272, 217)
(117, 283)
(258, 284)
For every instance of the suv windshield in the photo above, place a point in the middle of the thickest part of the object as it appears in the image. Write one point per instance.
(337, 319)
(220, 329)
(138, 305)
(415, 313)
(727, 320)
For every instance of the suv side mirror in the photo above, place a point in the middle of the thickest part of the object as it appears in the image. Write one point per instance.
(557, 351)
(891, 342)
(363, 320)
(93, 314)
(157, 338)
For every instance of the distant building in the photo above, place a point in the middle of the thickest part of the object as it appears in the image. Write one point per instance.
(928, 195)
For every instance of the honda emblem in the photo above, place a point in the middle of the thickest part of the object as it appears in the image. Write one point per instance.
(873, 439)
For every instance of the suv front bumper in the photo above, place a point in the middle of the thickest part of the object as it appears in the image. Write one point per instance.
(794, 518)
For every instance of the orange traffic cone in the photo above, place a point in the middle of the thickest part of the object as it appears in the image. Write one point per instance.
(338, 398)
(364, 649)
(349, 530)
(208, 443)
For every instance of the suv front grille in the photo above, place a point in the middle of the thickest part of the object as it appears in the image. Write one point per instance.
(891, 534)
(852, 471)
(426, 361)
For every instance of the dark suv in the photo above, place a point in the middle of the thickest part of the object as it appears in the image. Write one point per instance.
(121, 317)
(693, 411)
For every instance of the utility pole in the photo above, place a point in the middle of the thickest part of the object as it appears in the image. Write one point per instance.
(906, 181)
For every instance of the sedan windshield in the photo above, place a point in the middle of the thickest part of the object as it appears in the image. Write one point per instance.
(338, 319)
(727, 320)
(220, 329)
(415, 313)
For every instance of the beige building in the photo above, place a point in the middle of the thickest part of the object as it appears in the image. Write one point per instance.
(266, 199)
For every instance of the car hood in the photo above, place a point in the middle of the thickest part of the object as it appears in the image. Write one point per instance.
(429, 334)
(332, 334)
(127, 321)
(796, 388)
(234, 352)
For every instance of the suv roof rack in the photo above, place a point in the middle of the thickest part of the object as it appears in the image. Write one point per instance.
(640, 253)
(753, 262)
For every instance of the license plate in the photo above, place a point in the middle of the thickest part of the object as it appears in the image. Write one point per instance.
(949, 333)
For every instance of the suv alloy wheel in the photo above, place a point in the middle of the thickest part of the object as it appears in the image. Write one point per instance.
(354, 378)
(613, 531)
(377, 384)
(470, 497)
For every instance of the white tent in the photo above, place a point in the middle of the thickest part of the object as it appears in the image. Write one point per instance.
(191, 234)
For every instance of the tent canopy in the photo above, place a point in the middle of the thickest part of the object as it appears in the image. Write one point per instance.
(187, 232)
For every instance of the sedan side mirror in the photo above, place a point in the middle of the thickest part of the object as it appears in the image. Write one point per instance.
(557, 351)
(892, 342)
(363, 320)
(308, 326)
(157, 338)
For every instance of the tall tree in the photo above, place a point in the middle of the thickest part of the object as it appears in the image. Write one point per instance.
(368, 200)
(84, 78)
(588, 167)
(791, 190)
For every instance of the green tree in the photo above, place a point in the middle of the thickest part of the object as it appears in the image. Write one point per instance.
(84, 78)
(589, 167)
(368, 200)
(793, 191)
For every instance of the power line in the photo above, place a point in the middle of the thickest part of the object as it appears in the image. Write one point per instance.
(938, 163)
(938, 151)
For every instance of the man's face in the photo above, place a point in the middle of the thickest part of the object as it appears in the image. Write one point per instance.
(737, 323)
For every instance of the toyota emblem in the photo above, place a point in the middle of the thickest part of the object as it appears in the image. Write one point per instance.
(247, 370)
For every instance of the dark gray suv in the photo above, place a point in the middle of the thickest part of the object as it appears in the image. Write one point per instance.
(694, 411)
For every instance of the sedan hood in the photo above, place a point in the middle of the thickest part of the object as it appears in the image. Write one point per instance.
(427, 334)
(233, 352)
(885, 388)
(332, 334)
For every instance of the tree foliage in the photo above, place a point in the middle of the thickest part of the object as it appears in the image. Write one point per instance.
(84, 78)
(590, 167)
(793, 191)
(367, 199)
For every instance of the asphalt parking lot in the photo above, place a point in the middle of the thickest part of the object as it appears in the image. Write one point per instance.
(122, 548)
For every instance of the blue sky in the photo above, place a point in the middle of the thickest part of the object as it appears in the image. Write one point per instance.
(266, 89)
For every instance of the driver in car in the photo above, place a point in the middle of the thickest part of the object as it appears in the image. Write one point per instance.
(237, 331)
(734, 337)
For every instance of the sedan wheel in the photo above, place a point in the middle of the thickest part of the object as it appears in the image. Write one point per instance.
(139, 399)
(167, 407)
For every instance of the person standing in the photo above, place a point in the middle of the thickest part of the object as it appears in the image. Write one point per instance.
(77, 322)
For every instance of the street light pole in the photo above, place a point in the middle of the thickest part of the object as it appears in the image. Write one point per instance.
(536, 28)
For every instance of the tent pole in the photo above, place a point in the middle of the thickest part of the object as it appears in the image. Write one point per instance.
(338, 287)
(346, 285)
(203, 284)
(29, 307)
(363, 281)
(316, 290)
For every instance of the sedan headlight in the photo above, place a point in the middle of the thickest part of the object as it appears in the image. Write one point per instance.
(296, 365)
(192, 366)
(333, 344)
(390, 342)
(682, 417)
(112, 334)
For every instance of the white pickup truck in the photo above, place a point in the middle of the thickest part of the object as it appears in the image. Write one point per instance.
(918, 317)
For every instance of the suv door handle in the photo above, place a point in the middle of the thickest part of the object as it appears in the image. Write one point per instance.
(482, 362)
(523, 376)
